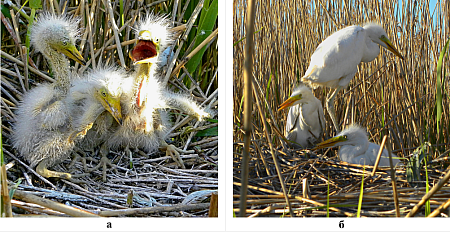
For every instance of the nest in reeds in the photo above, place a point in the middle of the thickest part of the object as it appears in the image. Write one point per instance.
(310, 179)
(141, 184)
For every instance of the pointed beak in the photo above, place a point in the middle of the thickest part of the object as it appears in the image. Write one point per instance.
(330, 142)
(112, 105)
(391, 47)
(288, 103)
(72, 52)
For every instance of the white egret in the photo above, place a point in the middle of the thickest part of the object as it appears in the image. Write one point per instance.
(305, 121)
(356, 148)
(145, 120)
(334, 62)
(43, 116)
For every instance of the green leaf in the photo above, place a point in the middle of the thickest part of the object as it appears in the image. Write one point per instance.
(213, 120)
(361, 193)
(439, 88)
(35, 4)
(207, 21)
(414, 164)
(5, 11)
(242, 39)
(213, 131)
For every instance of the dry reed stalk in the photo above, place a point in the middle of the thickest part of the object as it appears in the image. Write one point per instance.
(386, 94)
(99, 45)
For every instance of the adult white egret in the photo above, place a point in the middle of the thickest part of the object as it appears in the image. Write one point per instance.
(334, 62)
(356, 148)
(305, 121)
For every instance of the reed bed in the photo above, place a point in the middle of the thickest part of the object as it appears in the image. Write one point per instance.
(388, 96)
(141, 184)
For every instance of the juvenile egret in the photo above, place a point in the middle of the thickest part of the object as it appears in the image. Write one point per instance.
(43, 114)
(145, 120)
(86, 100)
(305, 121)
(356, 148)
(334, 62)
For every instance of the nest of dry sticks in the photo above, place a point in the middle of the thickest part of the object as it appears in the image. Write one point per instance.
(139, 184)
(313, 180)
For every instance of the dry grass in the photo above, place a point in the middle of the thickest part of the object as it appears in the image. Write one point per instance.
(153, 180)
(388, 96)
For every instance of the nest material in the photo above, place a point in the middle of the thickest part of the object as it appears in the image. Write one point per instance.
(307, 177)
(142, 184)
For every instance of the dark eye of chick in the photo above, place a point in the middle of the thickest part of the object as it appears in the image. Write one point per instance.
(103, 94)
(345, 136)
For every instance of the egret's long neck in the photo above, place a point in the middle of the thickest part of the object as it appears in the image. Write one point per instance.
(371, 50)
(61, 69)
(145, 72)
(310, 114)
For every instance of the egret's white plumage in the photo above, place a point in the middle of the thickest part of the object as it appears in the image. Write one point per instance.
(146, 121)
(43, 117)
(305, 121)
(356, 148)
(334, 62)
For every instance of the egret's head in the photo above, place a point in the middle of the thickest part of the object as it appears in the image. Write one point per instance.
(301, 95)
(352, 135)
(379, 36)
(108, 90)
(153, 35)
(52, 33)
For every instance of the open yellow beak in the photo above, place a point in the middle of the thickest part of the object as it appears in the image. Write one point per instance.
(289, 102)
(391, 47)
(72, 52)
(112, 105)
(330, 142)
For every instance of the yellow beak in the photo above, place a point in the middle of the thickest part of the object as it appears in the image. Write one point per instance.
(288, 103)
(391, 47)
(330, 142)
(112, 105)
(72, 52)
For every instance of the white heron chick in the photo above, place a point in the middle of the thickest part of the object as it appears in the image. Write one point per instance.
(146, 119)
(305, 121)
(356, 148)
(334, 62)
(86, 100)
(43, 115)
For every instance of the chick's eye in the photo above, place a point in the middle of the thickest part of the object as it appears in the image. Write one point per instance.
(345, 136)
(103, 94)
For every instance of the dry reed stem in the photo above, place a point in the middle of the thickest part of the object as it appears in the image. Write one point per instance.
(385, 94)
(153, 184)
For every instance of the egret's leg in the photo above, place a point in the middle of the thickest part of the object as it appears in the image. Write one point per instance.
(41, 169)
(330, 107)
(174, 152)
(104, 161)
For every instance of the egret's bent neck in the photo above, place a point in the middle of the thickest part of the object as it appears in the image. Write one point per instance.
(61, 69)
(371, 50)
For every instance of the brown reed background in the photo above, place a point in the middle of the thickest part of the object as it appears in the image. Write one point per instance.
(388, 96)
(400, 92)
